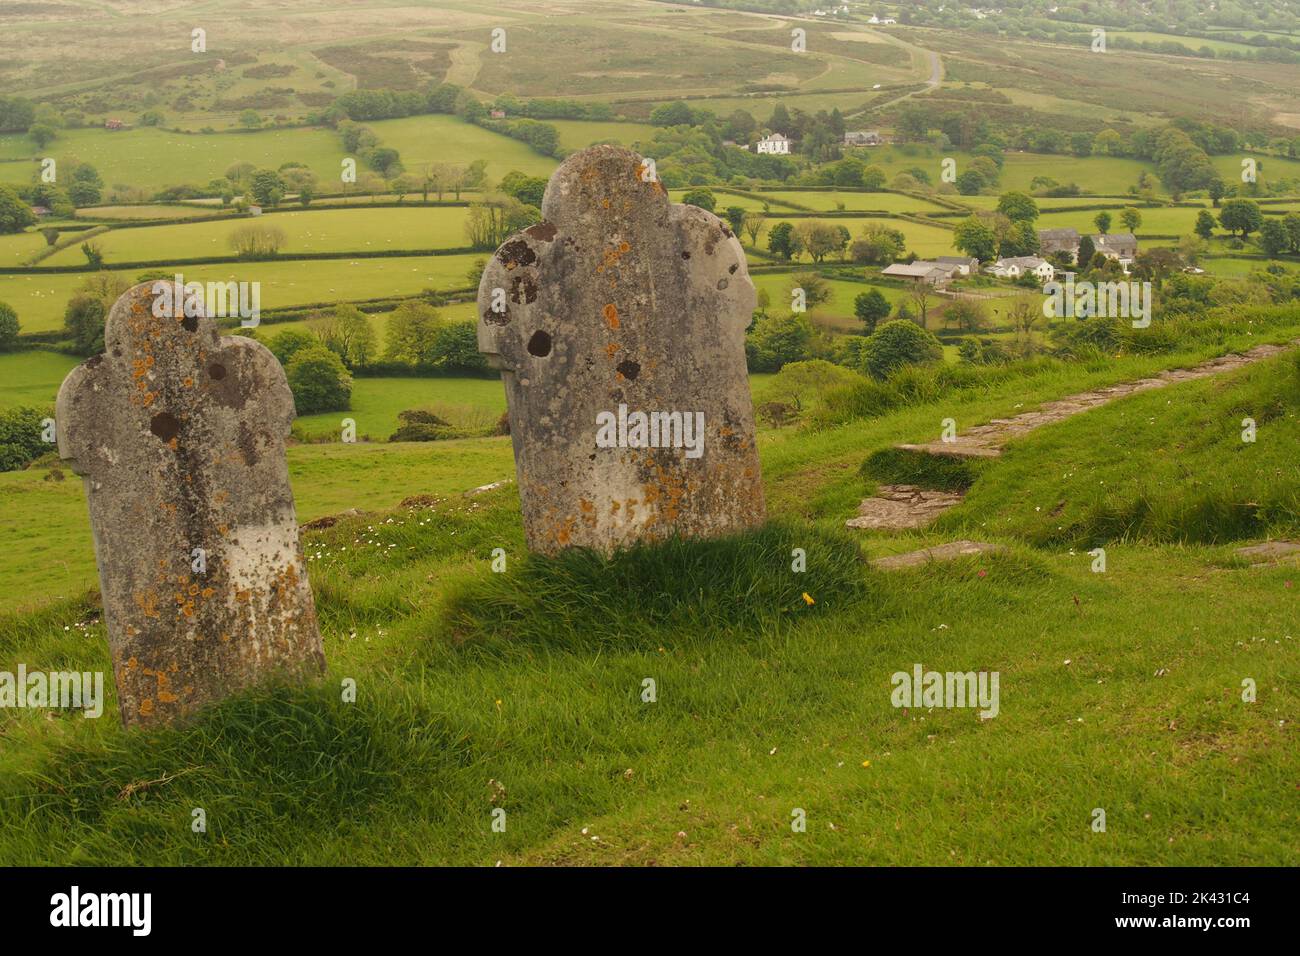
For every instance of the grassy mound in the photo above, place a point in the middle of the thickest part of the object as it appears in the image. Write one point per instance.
(1167, 465)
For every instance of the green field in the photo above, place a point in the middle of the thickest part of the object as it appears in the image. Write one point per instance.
(876, 202)
(376, 402)
(32, 378)
(836, 314)
(16, 248)
(306, 231)
(40, 299)
(422, 140)
(921, 239)
(575, 134)
(1178, 221)
(152, 211)
(152, 159)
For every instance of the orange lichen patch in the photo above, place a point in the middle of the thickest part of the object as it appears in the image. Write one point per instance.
(611, 315)
(147, 602)
(132, 662)
(146, 707)
(610, 258)
(611, 348)
(604, 203)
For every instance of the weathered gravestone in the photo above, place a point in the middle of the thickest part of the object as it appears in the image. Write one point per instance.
(618, 323)
(179, 433)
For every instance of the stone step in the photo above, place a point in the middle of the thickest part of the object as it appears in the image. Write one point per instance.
(953, 449)
(943, 552)
(1269, 552)
(902, 507)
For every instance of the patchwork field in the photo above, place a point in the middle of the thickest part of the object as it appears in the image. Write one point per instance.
(306, 231)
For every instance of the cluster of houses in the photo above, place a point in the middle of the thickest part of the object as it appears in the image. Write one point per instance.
(1120, 246)
(778, 144)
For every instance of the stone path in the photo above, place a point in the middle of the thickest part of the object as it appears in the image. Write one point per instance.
(943, 552)
(901, 507)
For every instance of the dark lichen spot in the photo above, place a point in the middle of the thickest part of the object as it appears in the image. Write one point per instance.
(540, 344)
(216, 371)
(497, 318)
(686, 253)
(726, 232)
(165, 426)
(629, 369)
(523, 289)
(516, 252)
(543, 231)
(732, 269)
(190, 323)
(722, 283)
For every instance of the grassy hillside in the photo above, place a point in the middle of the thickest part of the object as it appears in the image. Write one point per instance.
(764, 703)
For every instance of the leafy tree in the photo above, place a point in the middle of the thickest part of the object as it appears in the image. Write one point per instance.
(257, 241)
(970, 183)
(672, 114)
(1018, 207)
(1241, 215)
(8, 327)
(348, 334)
(870, 308)
(1273, 238)
(527, 189)
(266, 187)
(1131, 218)
(976, 238)
(1291, 222)
(1216, 191)
(319, 381)
(412, 334)
(21, 437)
(781, 241)
(878, 245)
(700, 197)
(800, 384)
(966, 314)
(456, 348)
(735, 216)
(816, 290)
(249, 119)
(94, 254)
(897, 344)
(1102, 220)
(773, 341)
(288, 343)
(15, 215)
(1087, 249)
(818, 239)
(42, 134)
(753, 225)
(1020, 240)
(1204, 224)
(83, 320)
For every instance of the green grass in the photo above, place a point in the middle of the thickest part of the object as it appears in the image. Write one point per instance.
(17, 248)
(152, 159)
(306, 231)
(836, 314)
(828, 200)
(1155, 222)
(922, 239)
(575, 134)
(32, 378)
(1182, 473)
(40, 299)
(376, 403)
(447, 139)
(764, 702)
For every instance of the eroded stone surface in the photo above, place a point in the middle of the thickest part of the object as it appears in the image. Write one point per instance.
(943, 552)
(622, 298)
(1270, 552)
(179, 435)
(899, 507)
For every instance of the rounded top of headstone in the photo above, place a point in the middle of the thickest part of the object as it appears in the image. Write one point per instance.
(162, 316)
(611, 180)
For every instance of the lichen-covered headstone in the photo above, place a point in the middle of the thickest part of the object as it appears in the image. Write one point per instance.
(179, 433)
(618, 323)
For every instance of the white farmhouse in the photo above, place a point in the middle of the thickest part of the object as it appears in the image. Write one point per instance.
(1016, 266)
(775, 143)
